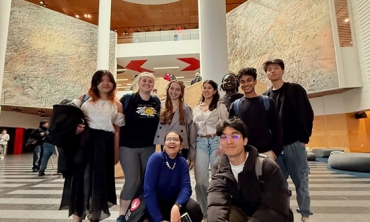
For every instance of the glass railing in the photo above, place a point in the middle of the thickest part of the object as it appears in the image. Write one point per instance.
(160, 36)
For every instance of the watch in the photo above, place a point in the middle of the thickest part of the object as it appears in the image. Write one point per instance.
(179, 205)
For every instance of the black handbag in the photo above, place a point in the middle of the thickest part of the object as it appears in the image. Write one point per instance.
(31, 141)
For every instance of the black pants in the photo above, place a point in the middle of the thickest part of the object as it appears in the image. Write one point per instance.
(191, 207)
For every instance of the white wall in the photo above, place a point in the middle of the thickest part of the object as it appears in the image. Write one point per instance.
(21, 120)
(157, 48)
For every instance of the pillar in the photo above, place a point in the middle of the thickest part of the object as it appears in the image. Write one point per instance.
(213, 39)
(104, 34)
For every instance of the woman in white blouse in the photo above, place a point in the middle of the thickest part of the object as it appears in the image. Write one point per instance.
(207, 114)
(92, 188)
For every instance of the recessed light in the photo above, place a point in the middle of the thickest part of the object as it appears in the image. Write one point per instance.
(346, 20)
(168, 67)
(77, 16)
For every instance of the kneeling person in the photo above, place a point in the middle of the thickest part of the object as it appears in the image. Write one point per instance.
(235, 192)
(167, 187)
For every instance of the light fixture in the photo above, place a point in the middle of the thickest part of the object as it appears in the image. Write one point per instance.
(41, 2)
(77, 16)
(168, 67)
(17, 110)
(346, 20)
(89, 16)
(85, 15)
(180, 77)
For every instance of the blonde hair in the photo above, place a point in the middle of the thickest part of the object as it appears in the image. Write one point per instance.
(144, 74)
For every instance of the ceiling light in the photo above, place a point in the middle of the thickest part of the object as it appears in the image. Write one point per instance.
(346, 20)
(85, 15)
(77, 16)
(123, 79)
(180, 77)
(41, 2)
(89, 16)
(168, 67)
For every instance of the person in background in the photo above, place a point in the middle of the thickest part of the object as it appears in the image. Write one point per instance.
(4, 138)
(207, 114)
(91, 190)
(236, 192)
(136, 141)
(177, 116)
(260, 115)
(297, 116)
(196, 79)
(167, 76)
(230, 85)
(155, 91)
(39, 134)
(48, 150)
(167, 187)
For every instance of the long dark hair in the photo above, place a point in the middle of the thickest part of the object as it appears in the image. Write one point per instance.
(95, 81)
(166, 114)
(216, 96)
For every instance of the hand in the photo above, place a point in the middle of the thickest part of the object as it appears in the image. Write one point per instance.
(191, 164)
(42, 133)
(175, 214)
(79, 129)
(219, 152)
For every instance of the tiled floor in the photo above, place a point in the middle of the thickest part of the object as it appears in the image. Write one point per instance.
(24, 196)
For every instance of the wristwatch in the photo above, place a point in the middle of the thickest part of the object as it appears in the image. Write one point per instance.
(179, 205)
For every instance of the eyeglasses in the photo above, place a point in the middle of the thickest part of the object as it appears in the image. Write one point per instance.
(234, 137)
(172, 139)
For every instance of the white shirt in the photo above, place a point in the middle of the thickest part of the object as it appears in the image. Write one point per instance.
(102, 114)
(4, 138)
(239, 168)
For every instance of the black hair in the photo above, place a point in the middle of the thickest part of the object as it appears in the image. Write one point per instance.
(279, 62)
(236, 79)
(42, 122)
(235, 123)
(180, 137)
(249, 71)
(216, 96)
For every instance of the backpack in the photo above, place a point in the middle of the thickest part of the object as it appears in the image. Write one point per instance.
(266, 104)
(259, 174)
(127, 97)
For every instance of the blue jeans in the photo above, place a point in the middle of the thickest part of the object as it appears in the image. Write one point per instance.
(293, 163)
(49, 150)
(37, 153)
(206, 155)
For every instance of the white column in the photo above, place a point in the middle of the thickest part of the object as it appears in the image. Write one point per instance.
(5, 6)
(214, 61)
(104, 34)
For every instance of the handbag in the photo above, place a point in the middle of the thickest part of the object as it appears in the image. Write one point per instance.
(31, 141)
(136, 211)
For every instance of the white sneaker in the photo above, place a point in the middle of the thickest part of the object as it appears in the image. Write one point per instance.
(305, 219)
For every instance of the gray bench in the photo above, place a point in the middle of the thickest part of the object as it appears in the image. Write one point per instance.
(359, 162)
(311, 156)
(325, 152)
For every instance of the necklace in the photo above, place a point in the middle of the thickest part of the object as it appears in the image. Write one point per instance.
(168, 164)
(169, 167)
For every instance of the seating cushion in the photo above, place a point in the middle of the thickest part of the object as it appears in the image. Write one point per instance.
(311, 156)
(350, 161)
(325, 153)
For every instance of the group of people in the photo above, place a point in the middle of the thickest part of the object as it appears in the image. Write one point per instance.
(229, 134)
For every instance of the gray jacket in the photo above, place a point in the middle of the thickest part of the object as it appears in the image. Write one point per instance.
(188, 132)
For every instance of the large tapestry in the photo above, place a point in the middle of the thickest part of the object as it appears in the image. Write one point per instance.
(297, 31)
(49, 57)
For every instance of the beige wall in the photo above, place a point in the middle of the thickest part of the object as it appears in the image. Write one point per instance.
(21, 120)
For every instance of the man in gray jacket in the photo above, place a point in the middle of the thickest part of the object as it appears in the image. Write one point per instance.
(236, 192)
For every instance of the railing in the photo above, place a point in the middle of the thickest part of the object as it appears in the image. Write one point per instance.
(160, 36)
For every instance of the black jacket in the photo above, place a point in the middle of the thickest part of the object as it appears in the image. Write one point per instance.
(262, 202)
(295, 112)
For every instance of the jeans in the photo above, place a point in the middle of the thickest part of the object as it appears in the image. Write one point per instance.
(37, 153)
(3, 149)
(206, 155)
(293, 163)
(49, 149)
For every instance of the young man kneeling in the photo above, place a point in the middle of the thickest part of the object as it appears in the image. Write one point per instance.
(236, 192)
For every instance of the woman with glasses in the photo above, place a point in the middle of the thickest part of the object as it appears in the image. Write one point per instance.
(207, 115)
(167, 187)
(177, 116)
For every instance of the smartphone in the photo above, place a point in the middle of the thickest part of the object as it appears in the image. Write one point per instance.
(185, 218)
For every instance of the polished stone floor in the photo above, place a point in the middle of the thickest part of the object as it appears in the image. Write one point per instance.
(24, 196)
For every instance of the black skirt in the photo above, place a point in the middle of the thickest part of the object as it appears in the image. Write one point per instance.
(90, 189)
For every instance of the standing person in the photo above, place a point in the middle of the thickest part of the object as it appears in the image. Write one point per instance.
(230, 85)
(136, 141)
(39, 134)
(196, 79)
(297, 119)
(4, 138)
(177, 116)
(207, 114)
(91, 189)
(167, 76)
(167, 187)
(260, 116)
(236, 191)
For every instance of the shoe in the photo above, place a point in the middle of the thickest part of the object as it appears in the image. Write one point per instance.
(41, 173)
(121, 218)
(305, 219)
(35, 170)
